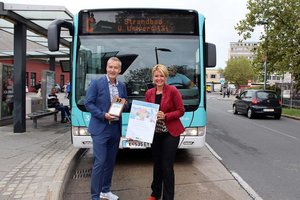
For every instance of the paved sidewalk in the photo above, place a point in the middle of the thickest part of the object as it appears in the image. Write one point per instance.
(34, 164)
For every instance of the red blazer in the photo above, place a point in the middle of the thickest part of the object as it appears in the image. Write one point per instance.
(172, 105)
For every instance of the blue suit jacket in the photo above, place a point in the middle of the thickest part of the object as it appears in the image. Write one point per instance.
(98, 102)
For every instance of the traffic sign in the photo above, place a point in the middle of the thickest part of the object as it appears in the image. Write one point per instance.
(222, 80)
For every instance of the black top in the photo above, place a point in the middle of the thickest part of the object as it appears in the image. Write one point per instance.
(53, 101)
(158, 98)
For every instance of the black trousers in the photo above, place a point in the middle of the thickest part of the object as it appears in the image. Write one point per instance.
(64, 110)
(164, 148)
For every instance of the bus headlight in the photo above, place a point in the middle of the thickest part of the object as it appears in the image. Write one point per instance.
(79, 131)
(200, 131)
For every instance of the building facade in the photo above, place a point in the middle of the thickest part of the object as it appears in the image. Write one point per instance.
(241, 49)
(34, 69)
(213, 76)
(213, 80)
(245, 49)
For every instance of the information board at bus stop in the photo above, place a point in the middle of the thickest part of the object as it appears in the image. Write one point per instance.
(6, 91)
(48, 82)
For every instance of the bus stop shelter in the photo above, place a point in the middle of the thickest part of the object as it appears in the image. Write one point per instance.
(23, 33)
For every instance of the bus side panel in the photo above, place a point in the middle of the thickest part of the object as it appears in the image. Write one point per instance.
(80, 118)
(199, 118)
(74, 68)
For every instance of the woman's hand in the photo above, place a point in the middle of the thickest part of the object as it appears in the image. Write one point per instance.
(161, 115)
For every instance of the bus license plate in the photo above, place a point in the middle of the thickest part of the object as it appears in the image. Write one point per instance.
(268, 110)
(135, 144)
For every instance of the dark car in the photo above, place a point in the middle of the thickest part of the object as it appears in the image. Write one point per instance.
(258, 102)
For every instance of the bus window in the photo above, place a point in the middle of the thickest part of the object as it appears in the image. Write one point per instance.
(138, 56)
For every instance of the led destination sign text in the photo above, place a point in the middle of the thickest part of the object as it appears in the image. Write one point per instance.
(144, 25)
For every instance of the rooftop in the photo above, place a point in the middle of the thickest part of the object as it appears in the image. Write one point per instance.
(37, 19)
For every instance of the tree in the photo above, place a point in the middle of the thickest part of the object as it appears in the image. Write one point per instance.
(281, 38)
(238, 71)
(139, 75)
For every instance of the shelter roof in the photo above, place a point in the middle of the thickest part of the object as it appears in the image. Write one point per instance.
(37, 19)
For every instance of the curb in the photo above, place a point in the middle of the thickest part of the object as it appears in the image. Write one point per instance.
(292, 117)
(244, 185)
(63, 174)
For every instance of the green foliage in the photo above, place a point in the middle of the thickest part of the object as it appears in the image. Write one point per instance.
(238, 71)
(291, 111)
(139, 75)
(281, 39)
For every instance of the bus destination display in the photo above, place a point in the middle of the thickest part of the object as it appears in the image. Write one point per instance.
(138, 22)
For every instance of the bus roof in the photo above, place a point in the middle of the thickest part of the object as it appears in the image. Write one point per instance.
(144, 7)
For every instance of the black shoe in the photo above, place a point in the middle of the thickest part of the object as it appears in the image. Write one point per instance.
(63, 121)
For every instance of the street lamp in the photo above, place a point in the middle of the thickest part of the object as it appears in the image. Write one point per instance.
(160, 49)
(265, 23)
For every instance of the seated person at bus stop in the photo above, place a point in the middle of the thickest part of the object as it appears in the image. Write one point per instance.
(178, 79)
(53, 102)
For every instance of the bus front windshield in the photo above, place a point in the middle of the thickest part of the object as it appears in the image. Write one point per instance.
(138, 55)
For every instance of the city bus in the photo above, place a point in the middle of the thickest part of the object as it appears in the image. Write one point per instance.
(140, 38)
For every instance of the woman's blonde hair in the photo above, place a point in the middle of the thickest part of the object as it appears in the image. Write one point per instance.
(162, 69)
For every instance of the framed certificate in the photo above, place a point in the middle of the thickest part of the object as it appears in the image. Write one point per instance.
(117, 107)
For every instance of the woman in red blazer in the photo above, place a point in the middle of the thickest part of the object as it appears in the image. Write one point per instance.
(167, 132)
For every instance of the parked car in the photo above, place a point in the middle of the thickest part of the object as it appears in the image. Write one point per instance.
(258, 102)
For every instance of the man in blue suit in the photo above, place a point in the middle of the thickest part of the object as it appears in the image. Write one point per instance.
(104, 128)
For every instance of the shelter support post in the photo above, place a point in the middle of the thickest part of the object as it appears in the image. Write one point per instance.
(19, 78)
(52, 63)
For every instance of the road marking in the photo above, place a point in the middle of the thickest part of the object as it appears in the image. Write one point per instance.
(280, 133)
(270, 129)
(213, 152)
(251, 121)
(237, 177)
(245, 185)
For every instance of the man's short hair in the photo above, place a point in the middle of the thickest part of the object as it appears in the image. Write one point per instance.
(172, 68)
(115, 59)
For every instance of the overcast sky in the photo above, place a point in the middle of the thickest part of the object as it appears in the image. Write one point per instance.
(221, 16)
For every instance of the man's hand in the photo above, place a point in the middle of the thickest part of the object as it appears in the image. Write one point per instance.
(109, 117)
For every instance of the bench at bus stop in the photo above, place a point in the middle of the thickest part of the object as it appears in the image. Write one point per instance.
(40, 114)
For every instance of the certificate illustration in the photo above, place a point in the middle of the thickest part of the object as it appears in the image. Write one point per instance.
(116, 109)
(142, 121)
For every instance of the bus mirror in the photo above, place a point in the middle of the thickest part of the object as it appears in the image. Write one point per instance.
(210, 55)
(54, 33)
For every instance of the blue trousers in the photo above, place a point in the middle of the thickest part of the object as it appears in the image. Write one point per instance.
(105, 149)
